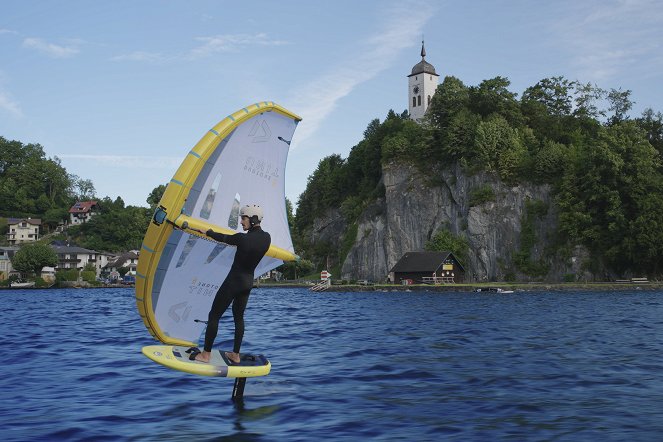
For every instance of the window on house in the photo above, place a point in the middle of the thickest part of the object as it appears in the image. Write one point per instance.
(429, 99)
(414, 101)
(419, 100)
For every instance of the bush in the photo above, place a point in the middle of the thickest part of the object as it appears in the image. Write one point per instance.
(481, 195)
(66, 275)
(89, 276)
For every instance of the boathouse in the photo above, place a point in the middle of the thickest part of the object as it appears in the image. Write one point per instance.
(427, 268)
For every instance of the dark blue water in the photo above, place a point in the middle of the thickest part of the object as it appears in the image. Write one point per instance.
(345, 366)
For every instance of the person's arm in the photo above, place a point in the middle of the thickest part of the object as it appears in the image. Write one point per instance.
(232, 240)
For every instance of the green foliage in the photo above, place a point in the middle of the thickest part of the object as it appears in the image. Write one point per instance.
(39, 283)
(30, 183)
(66, 275)
(493, 97)
(155, 196)
(534, 210)
(652, 123)
(611, 201)
(31, 258)
(89, 276)
(481, 195)
(114, 231)
(499, 148)
(348, 241)
(444, 240)
(606, 175)
(293, 270)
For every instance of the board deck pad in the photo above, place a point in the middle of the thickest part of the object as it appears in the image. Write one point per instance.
(177, 358)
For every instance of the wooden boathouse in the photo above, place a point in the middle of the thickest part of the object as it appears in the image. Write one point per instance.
(427, 268)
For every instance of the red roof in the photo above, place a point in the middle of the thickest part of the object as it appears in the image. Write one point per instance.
(83, 207)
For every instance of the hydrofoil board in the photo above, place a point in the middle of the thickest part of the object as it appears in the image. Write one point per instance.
(177, 358)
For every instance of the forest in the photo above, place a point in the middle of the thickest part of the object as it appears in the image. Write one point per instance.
(605, 168)
(32, 185)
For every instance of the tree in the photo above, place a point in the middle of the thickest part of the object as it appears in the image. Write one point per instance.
(493, 97)
(620, 104)
(553, 93)
(444, 240)
(652, 123)
(296, 269)
(451, 97)
(31, 258)
(155, 196)
(86, 190)
(499, 147)
(585, 97)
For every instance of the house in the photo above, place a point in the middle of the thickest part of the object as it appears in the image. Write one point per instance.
(6, 254)
(74, 257)
(22, 230)
(427, 267)
(82, 211)
(128, 260)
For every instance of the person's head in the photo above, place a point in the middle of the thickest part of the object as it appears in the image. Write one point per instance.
(251, 216)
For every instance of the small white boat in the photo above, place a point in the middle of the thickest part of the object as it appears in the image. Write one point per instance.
(493, 290)
(22, 285)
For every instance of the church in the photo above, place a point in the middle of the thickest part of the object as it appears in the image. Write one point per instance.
(422, 83)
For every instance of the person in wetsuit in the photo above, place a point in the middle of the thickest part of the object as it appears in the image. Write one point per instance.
(251, 247)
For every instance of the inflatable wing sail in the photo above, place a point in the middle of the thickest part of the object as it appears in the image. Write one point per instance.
(240, 161)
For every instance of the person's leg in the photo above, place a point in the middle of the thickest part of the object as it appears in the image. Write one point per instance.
(239, 305)
(221, 302)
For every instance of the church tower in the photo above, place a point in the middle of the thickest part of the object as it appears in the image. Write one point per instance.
(422, 83)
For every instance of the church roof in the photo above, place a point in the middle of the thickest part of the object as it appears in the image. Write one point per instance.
(423, 67)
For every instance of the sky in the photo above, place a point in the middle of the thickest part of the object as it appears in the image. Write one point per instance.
(121, 90)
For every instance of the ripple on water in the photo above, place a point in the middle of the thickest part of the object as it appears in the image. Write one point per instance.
(395, 366)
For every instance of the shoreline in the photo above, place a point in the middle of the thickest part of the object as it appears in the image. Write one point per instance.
(516, 287)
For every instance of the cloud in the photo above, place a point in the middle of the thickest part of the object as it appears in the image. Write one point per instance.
(127, 161)
(318, 99)
(231, 43)
(50, 49)
(7, 31)
(151, 57)
(207, 47)
(9, 105)
(609, 38)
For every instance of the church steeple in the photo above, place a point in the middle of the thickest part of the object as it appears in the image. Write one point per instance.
(422, 83)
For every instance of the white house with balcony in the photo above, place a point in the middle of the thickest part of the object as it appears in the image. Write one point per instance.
(22, 230)
(82, 212)
(73, 257)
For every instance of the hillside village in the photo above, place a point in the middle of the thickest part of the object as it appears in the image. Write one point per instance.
(109, 268)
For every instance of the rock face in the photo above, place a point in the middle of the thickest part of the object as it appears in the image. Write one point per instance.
(415, 207)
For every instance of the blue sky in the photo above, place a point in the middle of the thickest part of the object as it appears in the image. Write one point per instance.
(120, 91)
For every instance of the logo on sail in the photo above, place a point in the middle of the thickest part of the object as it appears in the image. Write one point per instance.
(260, 132)
(261, 168)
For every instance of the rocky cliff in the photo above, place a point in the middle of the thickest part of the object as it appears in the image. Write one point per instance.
(415, 207)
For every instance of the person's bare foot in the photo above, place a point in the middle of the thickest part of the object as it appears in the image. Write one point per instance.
(203, 356)
(234, 357)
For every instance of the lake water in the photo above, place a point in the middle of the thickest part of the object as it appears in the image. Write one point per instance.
(414, 366)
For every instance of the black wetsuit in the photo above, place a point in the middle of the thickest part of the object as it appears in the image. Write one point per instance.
(251, 247)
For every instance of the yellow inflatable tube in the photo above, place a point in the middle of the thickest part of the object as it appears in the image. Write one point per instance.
(170, 209)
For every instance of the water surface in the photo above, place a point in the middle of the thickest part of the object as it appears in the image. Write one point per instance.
(345, 366)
